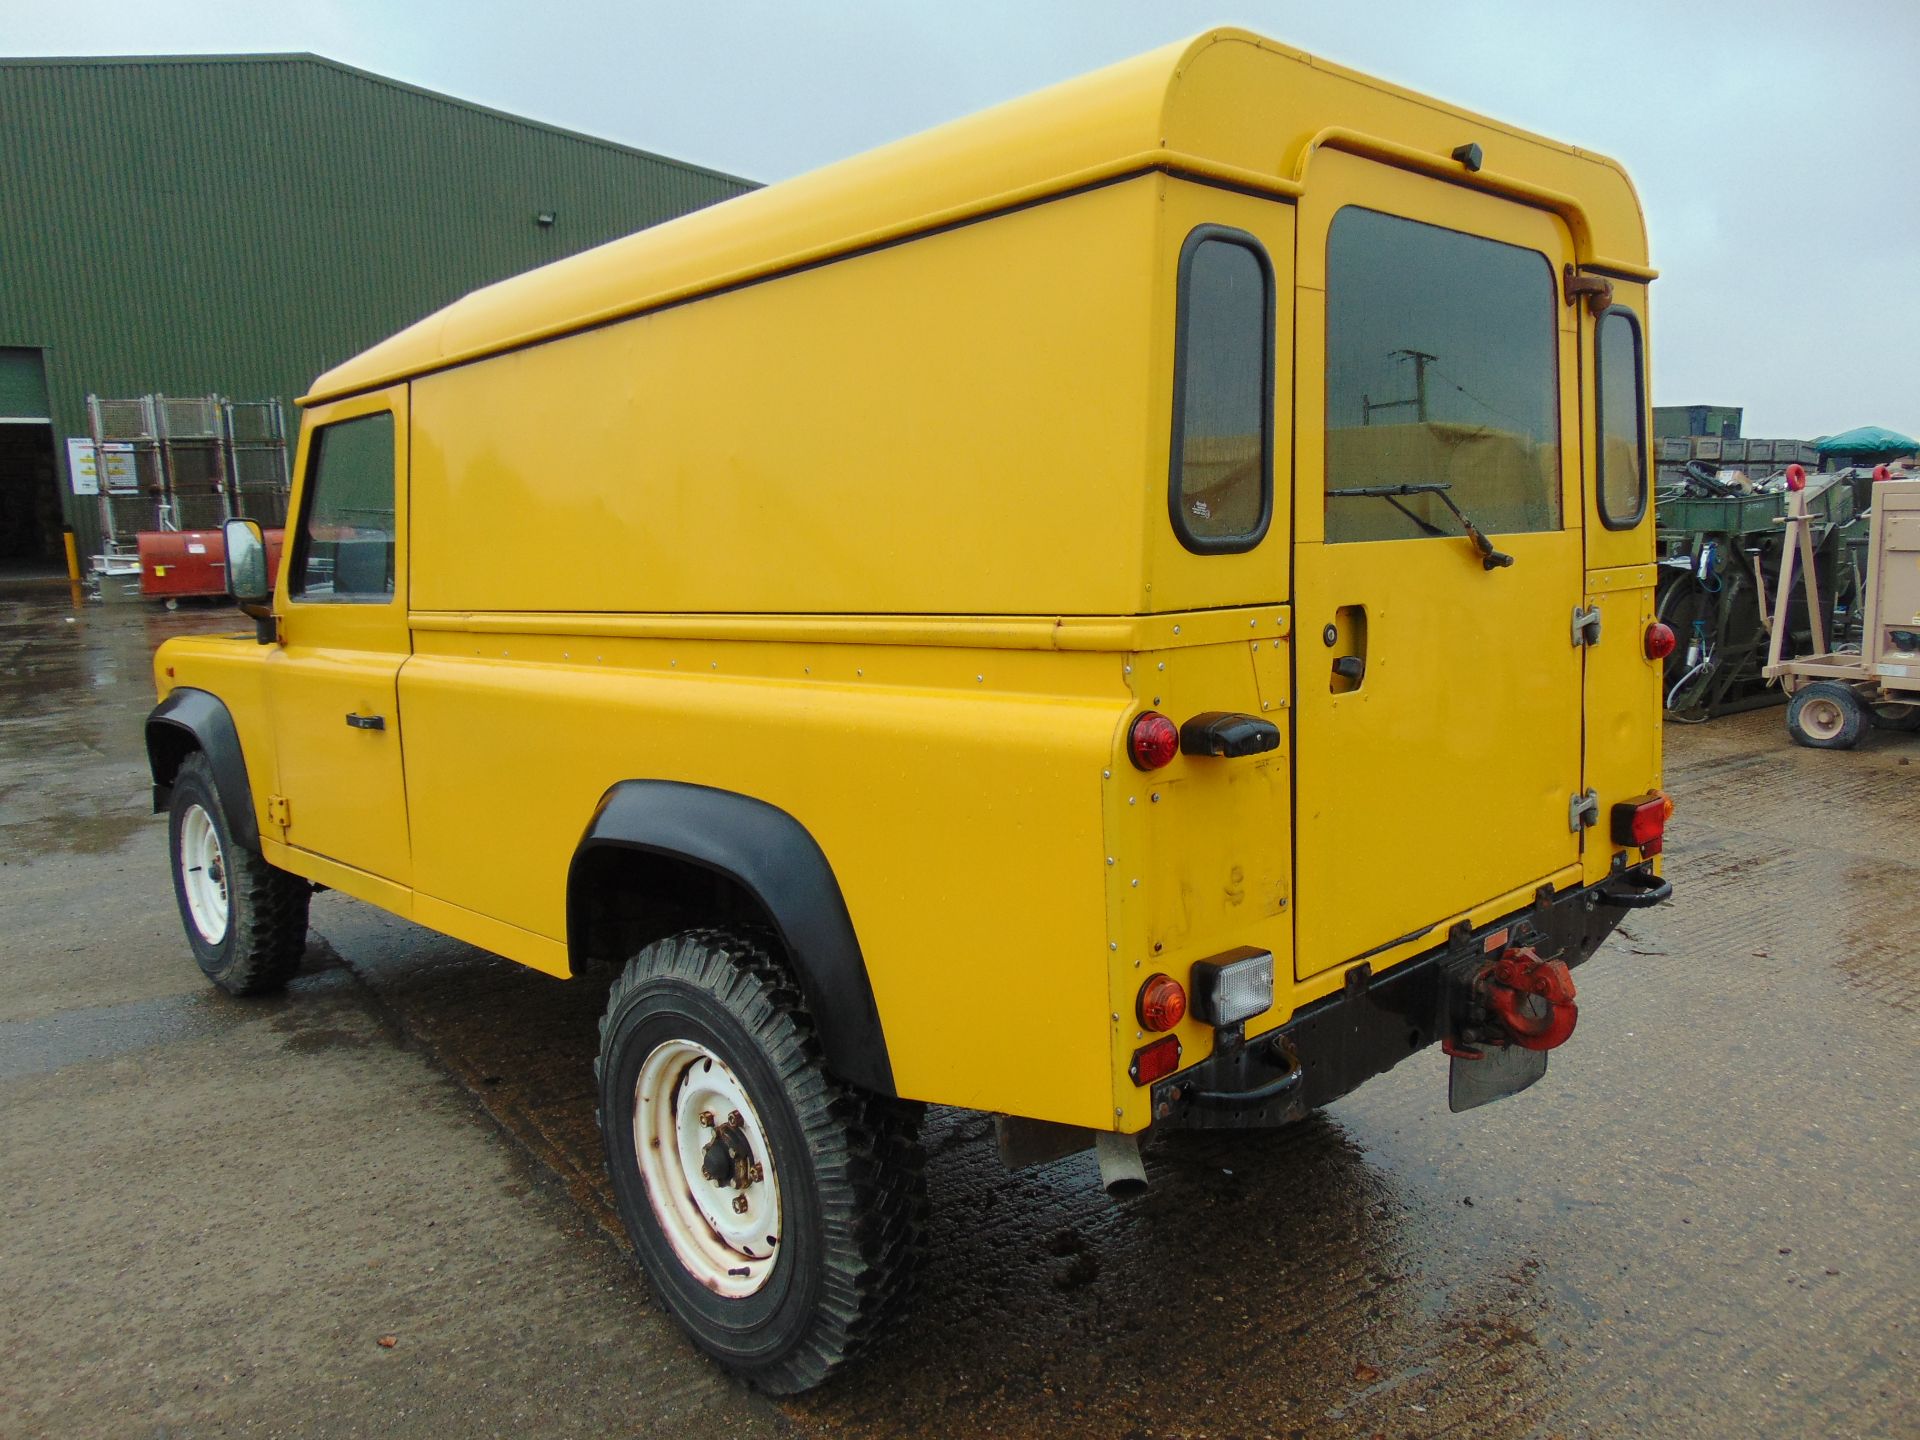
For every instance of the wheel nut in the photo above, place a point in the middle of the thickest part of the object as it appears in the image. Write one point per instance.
(706, 1118)
(739, 1204)
(755, 1174)
(733, 1119)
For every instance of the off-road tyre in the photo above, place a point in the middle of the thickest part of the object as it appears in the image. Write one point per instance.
(850, 1170)
(1898, 716)
(1826, 716)
(258, 949)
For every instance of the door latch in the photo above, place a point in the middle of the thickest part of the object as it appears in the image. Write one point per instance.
(1586, 625)
(1583, 811)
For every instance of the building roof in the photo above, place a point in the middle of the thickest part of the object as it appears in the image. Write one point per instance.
(301, 57)
(1227, 105)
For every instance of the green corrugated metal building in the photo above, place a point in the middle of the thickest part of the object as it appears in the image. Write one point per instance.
(238, 224)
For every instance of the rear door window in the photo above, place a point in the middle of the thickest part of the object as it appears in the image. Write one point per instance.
(345, 543)
(1621, 387)
(1221, 488)
(1442, 371)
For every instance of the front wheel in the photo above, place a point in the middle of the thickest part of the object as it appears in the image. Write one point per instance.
(778, 1210)
(1826, 716)
(246, 921)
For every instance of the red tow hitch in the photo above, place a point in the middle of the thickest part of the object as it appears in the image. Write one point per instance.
(1531, 998)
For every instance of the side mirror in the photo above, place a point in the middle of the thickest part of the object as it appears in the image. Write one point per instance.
(247, 579)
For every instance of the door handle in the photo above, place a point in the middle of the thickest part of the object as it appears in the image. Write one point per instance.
(367, 722)
(1351, 667)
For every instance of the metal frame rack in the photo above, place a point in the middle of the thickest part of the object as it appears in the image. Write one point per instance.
(183, 463)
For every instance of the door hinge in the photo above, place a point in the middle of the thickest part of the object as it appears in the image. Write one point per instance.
(1596, 290)
(278, 811)
(1586, 625)
(1583, 811)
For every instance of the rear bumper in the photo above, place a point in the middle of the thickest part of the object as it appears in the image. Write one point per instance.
(1376, 1021)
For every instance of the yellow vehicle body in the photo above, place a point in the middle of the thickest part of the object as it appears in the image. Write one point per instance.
(851, 496)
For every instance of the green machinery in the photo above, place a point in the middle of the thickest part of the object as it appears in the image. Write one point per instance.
(1720, 546)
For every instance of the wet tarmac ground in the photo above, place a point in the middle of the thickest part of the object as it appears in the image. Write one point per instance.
(1700, 1223)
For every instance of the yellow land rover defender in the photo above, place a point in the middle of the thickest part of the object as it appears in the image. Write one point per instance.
(1129, 611)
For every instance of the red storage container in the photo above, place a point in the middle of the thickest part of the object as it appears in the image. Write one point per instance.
(175, 563)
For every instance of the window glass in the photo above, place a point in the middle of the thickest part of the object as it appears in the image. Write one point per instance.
(345, 546)
(1222, 418)
(1441, 371)
(1623, 440)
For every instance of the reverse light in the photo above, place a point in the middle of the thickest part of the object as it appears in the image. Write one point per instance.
(1153, 741)
(1660, 641)
(1156, 1061)
(1233, 987)
(1162, 1004)
(1642, 821)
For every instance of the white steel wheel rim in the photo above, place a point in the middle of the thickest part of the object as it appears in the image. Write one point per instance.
(726, 1235)
(203, 874)
(1822, 717)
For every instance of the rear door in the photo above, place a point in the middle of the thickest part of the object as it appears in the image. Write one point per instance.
(1438, 709)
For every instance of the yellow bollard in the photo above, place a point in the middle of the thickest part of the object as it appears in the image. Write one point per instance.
(73, 557)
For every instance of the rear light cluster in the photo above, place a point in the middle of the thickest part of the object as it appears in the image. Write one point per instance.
(1660, 641)
(1153, 741)
(1642, 822)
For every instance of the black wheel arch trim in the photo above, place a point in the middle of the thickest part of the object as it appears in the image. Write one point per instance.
(775, 859)
(206, 721)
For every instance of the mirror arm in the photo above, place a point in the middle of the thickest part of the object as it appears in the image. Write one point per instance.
(266, 629)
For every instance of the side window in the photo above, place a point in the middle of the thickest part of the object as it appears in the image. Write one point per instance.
(1442, 373)
(344, 547)
(1622, 395)
(1221, 488)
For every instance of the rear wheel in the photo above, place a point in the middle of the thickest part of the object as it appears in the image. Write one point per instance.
(778, 1210)
(1897, 715)
(246, 920)
(1826, 716)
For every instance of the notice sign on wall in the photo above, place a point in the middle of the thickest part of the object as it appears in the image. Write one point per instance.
(84, 467)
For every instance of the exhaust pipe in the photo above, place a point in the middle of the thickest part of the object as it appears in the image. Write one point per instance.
(1121, 1174)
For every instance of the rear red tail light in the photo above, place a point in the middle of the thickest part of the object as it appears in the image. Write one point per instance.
(1163, 1004)
(1156, 1061)
(1153, 741)
(1660, 641)
(1642, 822)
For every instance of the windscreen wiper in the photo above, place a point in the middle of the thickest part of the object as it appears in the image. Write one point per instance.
(1490, 558)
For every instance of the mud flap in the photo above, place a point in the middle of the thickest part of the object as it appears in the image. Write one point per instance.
(1498, 1071)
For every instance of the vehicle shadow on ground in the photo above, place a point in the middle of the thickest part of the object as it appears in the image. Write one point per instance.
(1281, 1275)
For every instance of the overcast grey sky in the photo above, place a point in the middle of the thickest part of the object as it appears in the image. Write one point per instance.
(1776, 146)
